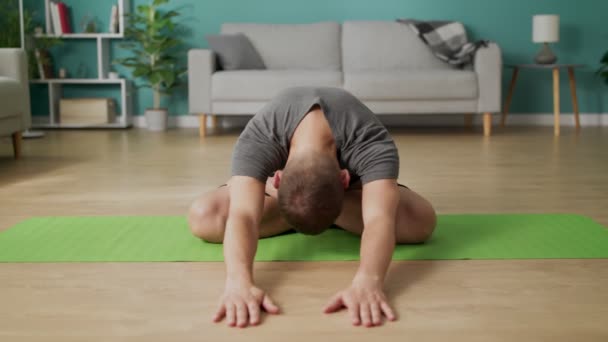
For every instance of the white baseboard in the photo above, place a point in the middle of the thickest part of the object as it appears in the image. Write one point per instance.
(566, 119)
(426, 120)
(179, 121)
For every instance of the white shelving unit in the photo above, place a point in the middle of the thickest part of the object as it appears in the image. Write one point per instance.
(82, 35)
(55, 86)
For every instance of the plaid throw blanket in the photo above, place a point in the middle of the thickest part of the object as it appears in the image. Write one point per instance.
(447, 40)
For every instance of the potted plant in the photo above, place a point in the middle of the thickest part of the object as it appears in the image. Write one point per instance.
(603, 70)
(153, 41)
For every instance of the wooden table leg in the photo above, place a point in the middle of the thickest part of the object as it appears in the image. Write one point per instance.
(202, 125)
(556, 101)
(505, 110)
(16, 144)
(574, 99)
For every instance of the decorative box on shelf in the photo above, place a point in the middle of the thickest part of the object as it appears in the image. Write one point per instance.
(87, 111)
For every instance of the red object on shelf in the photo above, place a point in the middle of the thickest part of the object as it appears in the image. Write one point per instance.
(64, 18)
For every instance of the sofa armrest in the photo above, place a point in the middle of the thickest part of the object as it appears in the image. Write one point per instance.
(13, 64)
(488, 66)
(201, 66)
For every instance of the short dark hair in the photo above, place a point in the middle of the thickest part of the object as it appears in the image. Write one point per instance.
(310, 193)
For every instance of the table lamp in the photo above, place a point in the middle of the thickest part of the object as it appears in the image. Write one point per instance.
(545, 30)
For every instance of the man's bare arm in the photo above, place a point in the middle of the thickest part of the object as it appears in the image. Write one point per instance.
(365, 299)
(241, 301)
(242, 227)
(380, 201)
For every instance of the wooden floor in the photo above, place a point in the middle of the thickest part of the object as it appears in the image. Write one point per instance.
(135, 172)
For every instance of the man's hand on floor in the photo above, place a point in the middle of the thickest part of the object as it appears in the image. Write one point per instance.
(365, 301)
(241, 304)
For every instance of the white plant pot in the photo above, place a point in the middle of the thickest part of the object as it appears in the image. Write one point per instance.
(156, 119)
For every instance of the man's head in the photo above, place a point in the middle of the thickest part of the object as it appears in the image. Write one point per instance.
(311, 190)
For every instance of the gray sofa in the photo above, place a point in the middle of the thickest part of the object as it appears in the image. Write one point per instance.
(383, 63)
(15, 115)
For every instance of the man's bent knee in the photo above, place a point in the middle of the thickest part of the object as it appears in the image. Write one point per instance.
(207, 220)
(428, 222)
(422, 225)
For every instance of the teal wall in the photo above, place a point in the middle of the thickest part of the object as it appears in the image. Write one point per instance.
(584, 36)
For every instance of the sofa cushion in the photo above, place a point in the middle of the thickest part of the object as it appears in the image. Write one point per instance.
(11, 97)
(412, 84)
(265, 84)
(293, 46)
(385, 45)
(235, 52)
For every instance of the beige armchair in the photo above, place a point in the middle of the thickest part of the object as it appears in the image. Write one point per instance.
(15, 113)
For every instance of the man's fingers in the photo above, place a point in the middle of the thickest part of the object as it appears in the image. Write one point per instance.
(376, 314)
(388, 312)
(254, 312)
(221, 313)
(335, 304)
(230, 314)
(353, 311)
(269, 305)
(241, 315)
(366, 317)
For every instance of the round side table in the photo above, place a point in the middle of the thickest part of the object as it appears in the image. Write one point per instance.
(555, 68)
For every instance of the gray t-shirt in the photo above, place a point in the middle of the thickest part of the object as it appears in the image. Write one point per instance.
(364, 146)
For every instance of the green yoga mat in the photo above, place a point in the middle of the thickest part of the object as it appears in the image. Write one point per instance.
(154, 239)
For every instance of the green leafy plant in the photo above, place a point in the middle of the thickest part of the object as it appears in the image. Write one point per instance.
(10, 35)
(9, 24)
(155, 46)
(603, 70)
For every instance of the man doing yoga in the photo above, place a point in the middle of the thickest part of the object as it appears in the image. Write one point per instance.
(312, 157)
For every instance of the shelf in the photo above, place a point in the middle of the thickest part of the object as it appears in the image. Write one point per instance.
(79, 81)
(60, 125)
(56, 86)
(82, 36)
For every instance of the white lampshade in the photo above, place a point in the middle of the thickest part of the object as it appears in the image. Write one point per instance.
(545, 28)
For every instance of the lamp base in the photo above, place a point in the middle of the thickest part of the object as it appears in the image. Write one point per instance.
(545, 55)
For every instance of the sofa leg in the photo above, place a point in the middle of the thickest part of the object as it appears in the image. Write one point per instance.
(202, 125)
(487, 124)
(468, 120)
(17, 144)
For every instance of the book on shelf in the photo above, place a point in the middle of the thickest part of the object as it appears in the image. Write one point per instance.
(55, 15)
(64, 17)
(58, 18)
(44, 63)
(114, 20)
